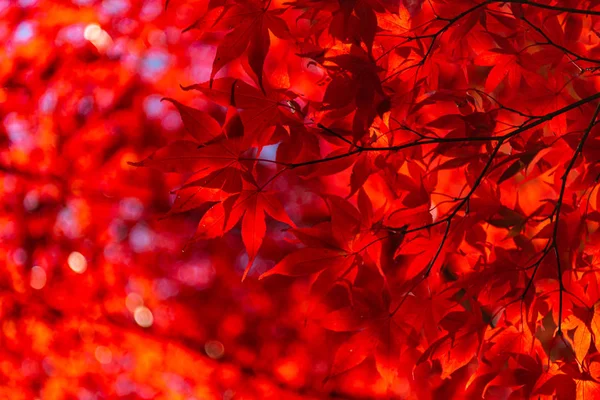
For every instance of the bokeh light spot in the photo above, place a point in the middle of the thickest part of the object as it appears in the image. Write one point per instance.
(77, 262)
(214, 349)
(288, 371)
(143, 317)
(103, 355)
(38, 277)
(133, 301)
(92, 32)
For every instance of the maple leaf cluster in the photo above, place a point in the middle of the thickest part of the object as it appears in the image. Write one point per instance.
(429, 167)
(408, 191)
(97, 299)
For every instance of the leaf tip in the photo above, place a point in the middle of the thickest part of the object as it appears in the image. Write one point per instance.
(264, 275)
(248, 266)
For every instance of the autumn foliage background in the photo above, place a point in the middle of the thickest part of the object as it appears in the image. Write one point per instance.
(299, 199)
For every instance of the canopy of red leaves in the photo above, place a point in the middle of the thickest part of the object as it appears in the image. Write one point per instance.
(245, 199)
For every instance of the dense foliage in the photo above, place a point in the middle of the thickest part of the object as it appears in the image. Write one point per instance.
(407, 189)
(134, 317)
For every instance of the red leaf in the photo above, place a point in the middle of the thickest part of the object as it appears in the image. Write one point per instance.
(253, 230)
(345, 320)
(198, 123)
(307, 261)
(233, 46)
(354, 351)
(257, 51)
(275, 209)
(183, 156)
